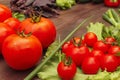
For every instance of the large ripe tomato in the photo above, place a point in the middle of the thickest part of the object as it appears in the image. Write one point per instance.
(100, 45)
(5, 31)
(109, 62)
(66, 71)
(90, 38)
(44, 30)
(13, 23)
(90, 65)
(5, 12)
(21, 53)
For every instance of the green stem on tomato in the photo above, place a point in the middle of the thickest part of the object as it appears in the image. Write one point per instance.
(37, 69)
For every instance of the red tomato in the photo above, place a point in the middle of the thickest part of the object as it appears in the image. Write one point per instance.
(44, 30)
(90, 65)
(13, 23)
(90, 38)
(97, 53)
(67, 46)
(115, 50)
(66, 72)
(100, 45)
(21, 53)
(78, 54)
(109, 62)
(109, 41)
(5, 31)
(5, 12)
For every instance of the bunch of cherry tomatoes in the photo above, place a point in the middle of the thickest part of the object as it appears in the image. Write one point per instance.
(22, 42)
(90, 55)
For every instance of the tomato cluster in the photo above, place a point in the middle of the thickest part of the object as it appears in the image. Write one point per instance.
(91, 54)
(22, 42)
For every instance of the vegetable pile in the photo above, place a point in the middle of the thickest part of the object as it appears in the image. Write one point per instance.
(23, 40)
(93, 56)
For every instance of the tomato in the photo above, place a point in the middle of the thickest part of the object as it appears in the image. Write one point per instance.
(13, 23)
(115, 50)
(97, 53)
(90, 65)
(5, 12)
(78, 54)
(5, 31)
(67, 46)
(109, 62)
(44, 30)
(109, 41)
(101, 46)
(66, 71)
(90, 38)
(21, 52)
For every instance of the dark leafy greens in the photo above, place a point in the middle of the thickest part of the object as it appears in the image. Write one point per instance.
(47, 7)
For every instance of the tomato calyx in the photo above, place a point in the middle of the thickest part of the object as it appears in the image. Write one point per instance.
(77, 41)
(35, 17)
(67, 61)
(23, 34)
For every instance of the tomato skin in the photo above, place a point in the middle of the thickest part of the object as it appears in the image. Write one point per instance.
(44, 30)
(21, 53)
(5, 12)
(13, 23)
(5, 31)
(78, 54)
(66, 72)
(109, 62)
(90, 38)
(101, 46)
(90, 65)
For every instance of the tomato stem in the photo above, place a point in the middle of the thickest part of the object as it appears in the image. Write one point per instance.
(36, 17)
(22, 33)
(67, 61)
(37, 69)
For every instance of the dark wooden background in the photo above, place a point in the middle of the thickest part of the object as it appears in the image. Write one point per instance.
(65, 23)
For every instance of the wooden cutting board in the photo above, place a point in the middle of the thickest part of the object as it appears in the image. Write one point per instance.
(65, 23)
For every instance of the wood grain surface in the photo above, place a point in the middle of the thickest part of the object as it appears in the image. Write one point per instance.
(65, 23)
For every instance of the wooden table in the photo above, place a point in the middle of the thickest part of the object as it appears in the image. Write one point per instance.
(65, 23)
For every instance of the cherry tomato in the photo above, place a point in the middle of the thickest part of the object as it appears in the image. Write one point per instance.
(21, 53)
(109, 62)
(78, 54)
(66, 72)
(100, 45)
(44, 30)
(13, 23)
(67, 46)
(90, 38)
(109, 41)
(115, 50)
(5, 31)
(5, 12)
(90, 65)
(97, 53)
